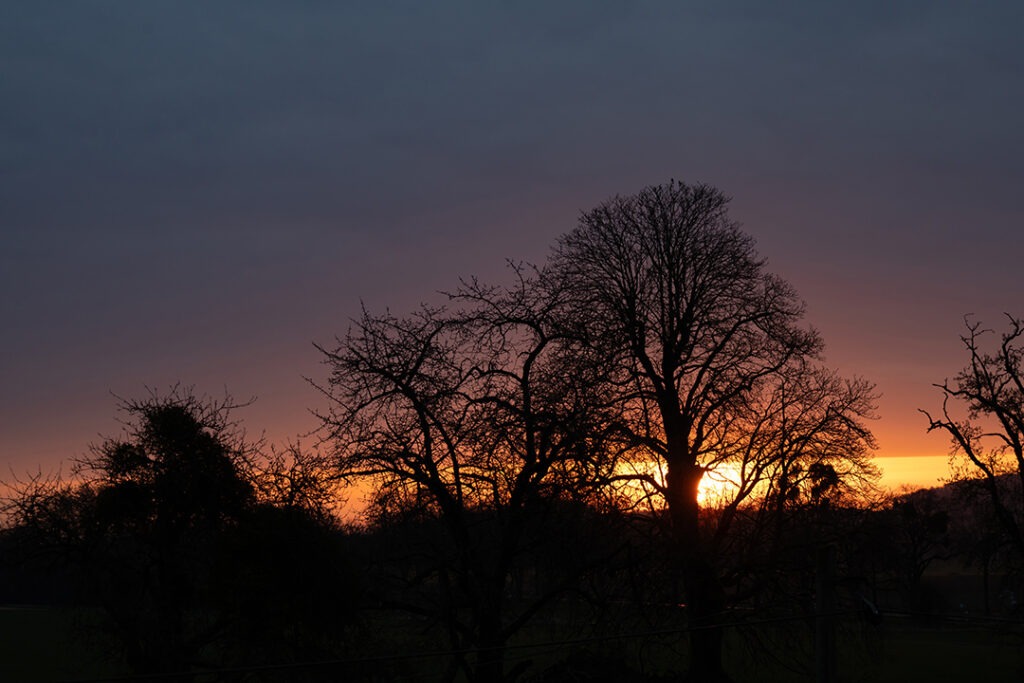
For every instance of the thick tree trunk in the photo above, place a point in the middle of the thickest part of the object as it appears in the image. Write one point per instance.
(705, 603)
(705, 599)
(490, 663)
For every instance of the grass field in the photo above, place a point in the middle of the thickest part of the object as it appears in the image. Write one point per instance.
(951, 653)
(38, 644)
(42, 644)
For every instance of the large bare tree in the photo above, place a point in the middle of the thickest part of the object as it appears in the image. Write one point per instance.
(698, 338)
(478, 417)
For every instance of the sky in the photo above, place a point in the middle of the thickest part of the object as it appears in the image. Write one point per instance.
(196, 192)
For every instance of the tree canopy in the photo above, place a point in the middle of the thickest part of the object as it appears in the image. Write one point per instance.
(702, 342)
(169, 532)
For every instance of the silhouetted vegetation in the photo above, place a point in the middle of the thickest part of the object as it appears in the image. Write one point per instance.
(486, 418)
(988, 437)
(709, 365)
(531, 457)
(164, 535)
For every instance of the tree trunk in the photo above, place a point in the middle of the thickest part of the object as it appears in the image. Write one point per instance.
(490, 661)
(985, 584)
(705, 604)
(705, 599)
(490, 666)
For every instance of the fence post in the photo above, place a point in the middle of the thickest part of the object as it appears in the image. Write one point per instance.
(825, 618)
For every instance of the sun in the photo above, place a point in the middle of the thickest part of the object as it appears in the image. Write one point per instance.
(718, 487)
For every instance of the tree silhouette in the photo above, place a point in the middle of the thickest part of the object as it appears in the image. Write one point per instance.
(988, 433)
(482, 418)
(698, 338)
(166, 530)
(148, 512)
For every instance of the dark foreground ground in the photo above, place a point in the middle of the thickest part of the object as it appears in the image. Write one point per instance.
(45, 644)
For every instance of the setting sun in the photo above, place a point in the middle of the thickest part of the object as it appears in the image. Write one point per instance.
(719, 486)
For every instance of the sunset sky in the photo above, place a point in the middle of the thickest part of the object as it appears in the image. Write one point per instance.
(196, 192)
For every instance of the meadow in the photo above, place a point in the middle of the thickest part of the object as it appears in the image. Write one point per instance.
(39, 644)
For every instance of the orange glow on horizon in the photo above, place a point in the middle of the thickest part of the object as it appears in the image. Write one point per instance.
(913, 471)
(719, 486)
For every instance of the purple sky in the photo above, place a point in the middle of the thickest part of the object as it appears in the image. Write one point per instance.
(195, 192)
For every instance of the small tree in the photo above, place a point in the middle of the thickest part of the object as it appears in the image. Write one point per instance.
(153, 507)
(983, 413)
(189, 562)
(803, 452)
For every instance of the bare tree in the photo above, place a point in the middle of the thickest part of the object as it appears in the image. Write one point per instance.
(808, 442)
(801, 448)
(988, 432)
(698, 338)
(478, 417)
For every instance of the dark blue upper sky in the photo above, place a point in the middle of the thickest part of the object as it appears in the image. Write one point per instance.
(196, 191)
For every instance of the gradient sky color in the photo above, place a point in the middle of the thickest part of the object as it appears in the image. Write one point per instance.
(195, 192)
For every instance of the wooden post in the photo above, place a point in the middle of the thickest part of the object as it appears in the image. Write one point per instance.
(825, 619)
